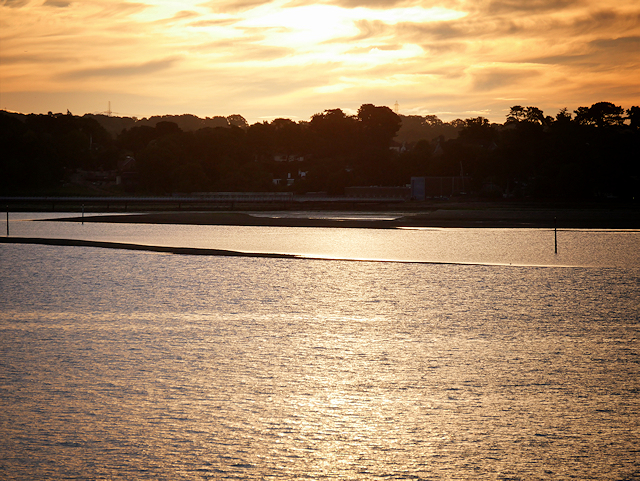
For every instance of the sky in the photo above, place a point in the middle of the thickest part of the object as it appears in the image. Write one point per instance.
(265, 59)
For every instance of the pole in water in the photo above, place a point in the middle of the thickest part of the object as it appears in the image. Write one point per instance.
(555, 233)
(7, 221)
(82, 214)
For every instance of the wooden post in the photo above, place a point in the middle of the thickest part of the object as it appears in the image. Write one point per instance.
(555, 233)
(82, 214)
(7, 221)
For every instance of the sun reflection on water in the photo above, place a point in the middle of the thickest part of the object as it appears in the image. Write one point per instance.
(127, 364)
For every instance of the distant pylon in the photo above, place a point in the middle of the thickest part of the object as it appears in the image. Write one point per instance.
(109, 110)
(396, 107)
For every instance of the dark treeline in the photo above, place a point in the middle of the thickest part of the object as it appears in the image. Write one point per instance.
(591, 153)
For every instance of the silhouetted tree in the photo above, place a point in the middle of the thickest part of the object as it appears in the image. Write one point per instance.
(563, 116)
(478, 130)
(633, 114)
(159, 164)
(517, 113)
(593, 155)
(600, 114)
(379, 125)
(288, 137)
(137, 138)
(261, 141)
(237, 121)
(333, 134)
(42, 149)
(428, 127)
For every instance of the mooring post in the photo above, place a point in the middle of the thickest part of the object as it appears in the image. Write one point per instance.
(7, 221)
(555, 233)
(82, 214)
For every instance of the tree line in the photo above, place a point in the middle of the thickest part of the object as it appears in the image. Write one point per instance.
(592, 152)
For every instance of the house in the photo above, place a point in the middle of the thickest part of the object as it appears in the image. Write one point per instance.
(128, 164)
(398, 147)
(288, 158)
(291, 178)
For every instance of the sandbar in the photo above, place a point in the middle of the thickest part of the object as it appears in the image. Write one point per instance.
(440, 218)
(138, 247)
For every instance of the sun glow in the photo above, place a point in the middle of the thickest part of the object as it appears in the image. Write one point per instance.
(314, 24)
(257, 57)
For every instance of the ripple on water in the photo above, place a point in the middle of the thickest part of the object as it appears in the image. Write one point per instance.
(136, 365)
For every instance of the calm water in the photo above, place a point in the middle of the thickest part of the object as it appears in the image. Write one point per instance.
(526, 247)
(133, 365)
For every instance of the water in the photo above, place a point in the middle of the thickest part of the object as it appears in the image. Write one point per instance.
(134, 365)
(525, 247)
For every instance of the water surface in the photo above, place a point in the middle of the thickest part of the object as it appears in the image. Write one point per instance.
(135, 365)
(527, 247)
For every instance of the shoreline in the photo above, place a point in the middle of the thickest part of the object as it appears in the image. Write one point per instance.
(140, 247)
(197, 251)
(440, 218)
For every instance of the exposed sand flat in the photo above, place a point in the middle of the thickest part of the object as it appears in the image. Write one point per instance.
(137, 247)
(462, 218)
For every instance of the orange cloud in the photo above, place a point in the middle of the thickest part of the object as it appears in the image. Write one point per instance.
(254, 56)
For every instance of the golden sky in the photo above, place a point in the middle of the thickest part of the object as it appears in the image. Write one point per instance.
(293, 58)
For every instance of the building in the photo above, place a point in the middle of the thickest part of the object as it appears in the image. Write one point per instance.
(375, 192)
(429, 187)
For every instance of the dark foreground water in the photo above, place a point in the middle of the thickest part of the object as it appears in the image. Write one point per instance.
(134, 365)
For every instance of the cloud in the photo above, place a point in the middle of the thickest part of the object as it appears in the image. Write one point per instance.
(108, 10)
(384, 4)
(182, 14)
(219, 22)
(366, 29)
(561, 60)
(241, 43)
(597, 55)
(56, 3)
(489, 79)
(361, 50)
(625, 44)
(121, 70)
(14, 3)
(373, 4)
(255, 53)
(509, 7)
(295, 56)
(614, 21)
(36, 59)
(234, 6)
(177, 17)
